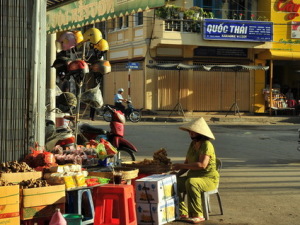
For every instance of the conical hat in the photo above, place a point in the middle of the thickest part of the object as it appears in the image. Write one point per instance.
(199, 126)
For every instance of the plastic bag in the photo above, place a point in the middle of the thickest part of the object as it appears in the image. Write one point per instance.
(110, 149)
(80, 180)
(69, 182)
(101, 151)
(93, 97)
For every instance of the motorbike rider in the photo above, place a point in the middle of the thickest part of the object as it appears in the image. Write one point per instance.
(119, 99)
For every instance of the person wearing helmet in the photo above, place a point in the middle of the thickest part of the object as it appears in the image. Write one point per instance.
(119, 100)
(198, 173)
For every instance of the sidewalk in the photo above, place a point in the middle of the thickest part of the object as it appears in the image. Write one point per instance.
(221, 117)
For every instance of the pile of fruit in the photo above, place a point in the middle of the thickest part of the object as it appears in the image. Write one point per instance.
(33, 183)
(5, 183)
(15, 167)
(159, 158)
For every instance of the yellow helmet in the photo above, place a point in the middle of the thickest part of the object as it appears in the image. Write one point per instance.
(92, 35)
(78, 36)
(102, 45)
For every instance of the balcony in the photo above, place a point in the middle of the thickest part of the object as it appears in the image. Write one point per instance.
(180, 25)
(189, 32)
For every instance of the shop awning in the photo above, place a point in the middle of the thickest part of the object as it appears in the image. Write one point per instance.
(180, 66)
(279, 55)
(81, 13)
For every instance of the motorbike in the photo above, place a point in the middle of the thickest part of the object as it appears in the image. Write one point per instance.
(126, 150)
(62, 136)
(132, 114)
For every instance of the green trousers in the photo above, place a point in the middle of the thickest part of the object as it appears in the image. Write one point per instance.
(193, 186)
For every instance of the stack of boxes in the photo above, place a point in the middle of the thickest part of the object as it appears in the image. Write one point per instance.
(42, 202)
(9, 205)
(24, 204)
(156, 199)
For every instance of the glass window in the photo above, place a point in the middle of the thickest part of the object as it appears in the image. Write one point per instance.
(242, 9)
(120, 22)
(138, 18)
(229, 9)
(126, 21)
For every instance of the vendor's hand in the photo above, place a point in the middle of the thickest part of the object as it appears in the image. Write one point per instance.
(176, 166)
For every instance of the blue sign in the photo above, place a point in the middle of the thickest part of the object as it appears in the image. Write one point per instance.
(238, 30)
(133, 65)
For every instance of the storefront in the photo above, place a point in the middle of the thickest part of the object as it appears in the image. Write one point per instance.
(223, 42)
(284, 54)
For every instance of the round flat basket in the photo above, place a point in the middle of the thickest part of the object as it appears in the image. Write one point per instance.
(127, 173)
(148, 168)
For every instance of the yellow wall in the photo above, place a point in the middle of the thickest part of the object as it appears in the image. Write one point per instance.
(282, 28)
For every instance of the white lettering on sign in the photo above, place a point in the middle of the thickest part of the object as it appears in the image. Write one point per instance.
(224, 29)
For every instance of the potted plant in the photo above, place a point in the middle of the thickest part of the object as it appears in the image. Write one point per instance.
(181, 11)
(164, 12)
(189, 13)
(197, 11)
(161, 12)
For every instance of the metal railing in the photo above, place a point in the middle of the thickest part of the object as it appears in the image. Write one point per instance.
(181, 25)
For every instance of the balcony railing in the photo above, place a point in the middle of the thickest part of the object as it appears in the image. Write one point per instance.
(181, 25)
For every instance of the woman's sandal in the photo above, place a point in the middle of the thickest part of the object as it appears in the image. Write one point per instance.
(194, 220)
(183, 217)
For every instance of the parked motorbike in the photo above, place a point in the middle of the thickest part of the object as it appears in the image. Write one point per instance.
(126, 150)
(132, 114)
(58, 136)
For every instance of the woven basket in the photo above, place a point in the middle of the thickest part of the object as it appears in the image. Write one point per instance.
(127, 173)
(149, 168)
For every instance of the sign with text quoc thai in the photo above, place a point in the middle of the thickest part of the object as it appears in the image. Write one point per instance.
(238, 30)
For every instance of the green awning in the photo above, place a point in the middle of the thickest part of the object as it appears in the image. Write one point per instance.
(84, 12)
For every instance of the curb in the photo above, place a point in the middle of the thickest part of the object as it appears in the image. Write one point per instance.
(261, 120)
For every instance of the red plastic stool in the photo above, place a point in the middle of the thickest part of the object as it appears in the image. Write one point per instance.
(115, 205)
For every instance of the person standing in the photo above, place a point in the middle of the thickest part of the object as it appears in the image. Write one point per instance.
(199, 170)
(118, 99)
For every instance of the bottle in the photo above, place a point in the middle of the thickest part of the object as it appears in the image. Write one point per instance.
(57, 218)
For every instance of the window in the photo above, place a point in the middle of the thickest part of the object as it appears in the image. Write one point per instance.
(120, 22)
(229, 9)
(211, 8)
(138, 19)
(126, 21)
(102, 27)
(112, 25)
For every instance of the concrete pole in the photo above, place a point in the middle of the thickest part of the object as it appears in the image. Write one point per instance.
(38, 72)
(51, 77)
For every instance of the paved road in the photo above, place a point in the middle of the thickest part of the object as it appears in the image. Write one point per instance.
(261, 168)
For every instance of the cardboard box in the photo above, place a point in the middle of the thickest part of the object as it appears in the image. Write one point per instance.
(156, 188)
(43, 196)
(10, 221)
(9, 202)
(9, 195)
(157, 213)
(40, 211)
(18, 177)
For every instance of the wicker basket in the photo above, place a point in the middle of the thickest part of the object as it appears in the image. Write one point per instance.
(127, 173)
(149, 168)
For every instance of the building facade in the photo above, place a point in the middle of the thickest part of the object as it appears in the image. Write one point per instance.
(226, 32)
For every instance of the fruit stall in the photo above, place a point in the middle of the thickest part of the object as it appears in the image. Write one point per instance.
(83, 186)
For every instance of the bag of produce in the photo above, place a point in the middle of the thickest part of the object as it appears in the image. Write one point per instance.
(110, 149)
(101, 151)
